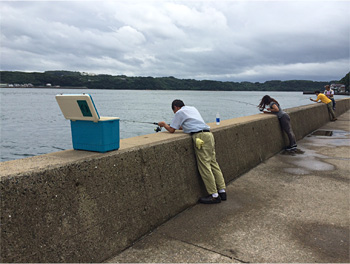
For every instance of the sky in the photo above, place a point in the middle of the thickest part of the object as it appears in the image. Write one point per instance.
(224, 40)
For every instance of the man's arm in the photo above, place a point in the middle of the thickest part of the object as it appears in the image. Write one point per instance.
(166, 126)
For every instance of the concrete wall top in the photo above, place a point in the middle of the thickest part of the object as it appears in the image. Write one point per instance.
(56, 159)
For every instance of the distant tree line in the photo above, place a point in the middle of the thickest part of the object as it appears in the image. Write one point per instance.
(345, 80)
(104, 81)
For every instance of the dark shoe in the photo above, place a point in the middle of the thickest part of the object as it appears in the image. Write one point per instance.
(291, 148)
(210, 200)
(223, 196)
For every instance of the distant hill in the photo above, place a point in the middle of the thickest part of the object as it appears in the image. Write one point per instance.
(104, 81)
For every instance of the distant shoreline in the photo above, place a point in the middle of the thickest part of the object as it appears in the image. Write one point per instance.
(84, 87)
(47, 87)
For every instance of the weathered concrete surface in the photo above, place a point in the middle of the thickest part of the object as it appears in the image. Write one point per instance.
(289, 209)
(79, 206)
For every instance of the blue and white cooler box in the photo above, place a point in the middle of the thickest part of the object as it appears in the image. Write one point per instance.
(89, 130)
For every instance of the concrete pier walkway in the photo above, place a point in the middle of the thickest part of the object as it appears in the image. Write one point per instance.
(290, 208)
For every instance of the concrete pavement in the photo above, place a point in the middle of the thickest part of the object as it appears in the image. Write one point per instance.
(290, 208)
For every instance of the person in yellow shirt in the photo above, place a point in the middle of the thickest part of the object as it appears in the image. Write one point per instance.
(327, 101)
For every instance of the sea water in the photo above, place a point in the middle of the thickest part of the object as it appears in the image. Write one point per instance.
(33, 124)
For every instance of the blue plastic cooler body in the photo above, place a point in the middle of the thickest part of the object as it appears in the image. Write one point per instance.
(101, 136)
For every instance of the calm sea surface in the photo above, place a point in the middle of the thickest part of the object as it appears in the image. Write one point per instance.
(33, 124)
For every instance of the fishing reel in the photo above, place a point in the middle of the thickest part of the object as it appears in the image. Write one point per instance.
(261, 109)
(158, 129)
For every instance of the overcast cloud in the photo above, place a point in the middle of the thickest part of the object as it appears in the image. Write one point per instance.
(216, 40)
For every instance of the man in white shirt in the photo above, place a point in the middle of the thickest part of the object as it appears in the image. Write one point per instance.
(330, 94)
(190, 121)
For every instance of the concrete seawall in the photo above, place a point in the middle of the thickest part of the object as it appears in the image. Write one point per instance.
(78, 206)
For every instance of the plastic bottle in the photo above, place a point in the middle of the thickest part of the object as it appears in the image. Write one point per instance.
(217, 119)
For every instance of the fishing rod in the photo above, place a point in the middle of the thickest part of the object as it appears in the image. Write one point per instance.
(241, 102)
(157, 129)
(133, 121)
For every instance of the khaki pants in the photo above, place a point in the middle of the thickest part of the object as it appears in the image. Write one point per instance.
(208, 167)
(330, 110)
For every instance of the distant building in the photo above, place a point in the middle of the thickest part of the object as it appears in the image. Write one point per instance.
(340, 88)
(88, 74)
(24, 85)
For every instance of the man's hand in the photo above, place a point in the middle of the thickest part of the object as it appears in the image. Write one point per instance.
(166, 126)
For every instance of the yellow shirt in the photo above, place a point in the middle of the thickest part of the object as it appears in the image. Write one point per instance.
(323, 98)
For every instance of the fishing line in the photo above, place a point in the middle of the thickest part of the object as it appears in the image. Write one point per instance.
(241, 102)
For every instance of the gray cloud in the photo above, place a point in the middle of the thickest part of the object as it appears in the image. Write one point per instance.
(221, 40)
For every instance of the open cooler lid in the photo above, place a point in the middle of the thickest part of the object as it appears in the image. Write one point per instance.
(78, 107)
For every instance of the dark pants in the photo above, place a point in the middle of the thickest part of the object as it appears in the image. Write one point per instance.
(286, 127)
(333, 101)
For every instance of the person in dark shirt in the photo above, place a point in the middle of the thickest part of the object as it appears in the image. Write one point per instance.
(273, 107)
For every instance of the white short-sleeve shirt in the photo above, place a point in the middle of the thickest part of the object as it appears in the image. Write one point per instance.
(189, 119)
